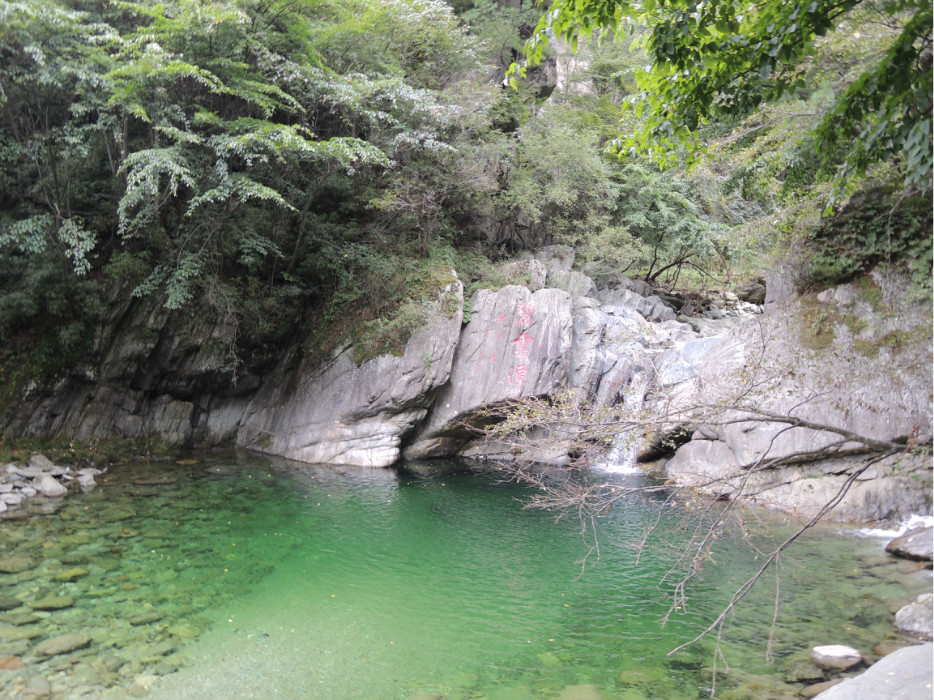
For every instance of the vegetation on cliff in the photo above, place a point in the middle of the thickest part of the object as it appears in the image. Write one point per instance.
(298, 170)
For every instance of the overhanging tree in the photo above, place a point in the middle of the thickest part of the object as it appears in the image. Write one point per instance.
(722, 59)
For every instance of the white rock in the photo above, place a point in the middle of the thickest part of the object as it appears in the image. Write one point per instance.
(836, 656)
(48, 486)
(30, 472)
(12, 499)
(86, 482)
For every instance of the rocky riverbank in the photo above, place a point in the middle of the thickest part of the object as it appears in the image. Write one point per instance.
(101, 590)
(822, 381)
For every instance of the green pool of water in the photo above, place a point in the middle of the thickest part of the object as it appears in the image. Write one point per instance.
(234, 576)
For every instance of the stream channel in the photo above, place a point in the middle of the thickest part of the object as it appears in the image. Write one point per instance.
(235, 576)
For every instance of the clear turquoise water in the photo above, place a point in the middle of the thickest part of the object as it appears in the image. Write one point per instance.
(278, 580)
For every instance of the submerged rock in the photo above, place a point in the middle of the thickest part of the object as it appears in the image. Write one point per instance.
(63, 644)
(11, 663)
(38, 688)
(583, 691)
(53, 602)
(8, 602)
(17, 563)
(72, 574)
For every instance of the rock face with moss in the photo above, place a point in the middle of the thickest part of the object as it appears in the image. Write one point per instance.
(344, 413)
(750, 393)
(155, 377)
(855, 358)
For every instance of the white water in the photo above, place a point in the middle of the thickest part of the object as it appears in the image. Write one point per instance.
(906, 525)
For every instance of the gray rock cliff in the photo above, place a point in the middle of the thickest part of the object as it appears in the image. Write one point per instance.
(829, 361)
(344, 413)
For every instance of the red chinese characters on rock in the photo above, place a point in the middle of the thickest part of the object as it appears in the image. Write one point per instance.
(516, 375)
(522, 345)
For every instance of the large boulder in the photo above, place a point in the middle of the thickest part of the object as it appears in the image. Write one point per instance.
(573, 282)
(902, 675)
(917, 543)
(516, 345)
(651, 307)
(344, 413)
(917, 618)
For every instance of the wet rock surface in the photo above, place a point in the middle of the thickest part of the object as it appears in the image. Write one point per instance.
(903, 675)
(917, 544)
(917, 618)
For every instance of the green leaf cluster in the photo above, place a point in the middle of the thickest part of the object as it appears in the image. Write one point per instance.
(199, 152)
(721, 60)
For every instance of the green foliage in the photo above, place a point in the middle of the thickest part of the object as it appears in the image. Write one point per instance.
(877, 226)
(660, 210)
(721, 60)
(217, 155)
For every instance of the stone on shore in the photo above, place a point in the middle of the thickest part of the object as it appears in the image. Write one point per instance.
(915, 544)
(63, 644)
(42, 463)
(836, 657)
(917, 618)
(907, 674)
(49, 486)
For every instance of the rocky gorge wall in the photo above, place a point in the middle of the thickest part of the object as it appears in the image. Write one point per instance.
(851, 358)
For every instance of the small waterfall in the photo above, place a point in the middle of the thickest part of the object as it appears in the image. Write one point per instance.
(628, 399)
